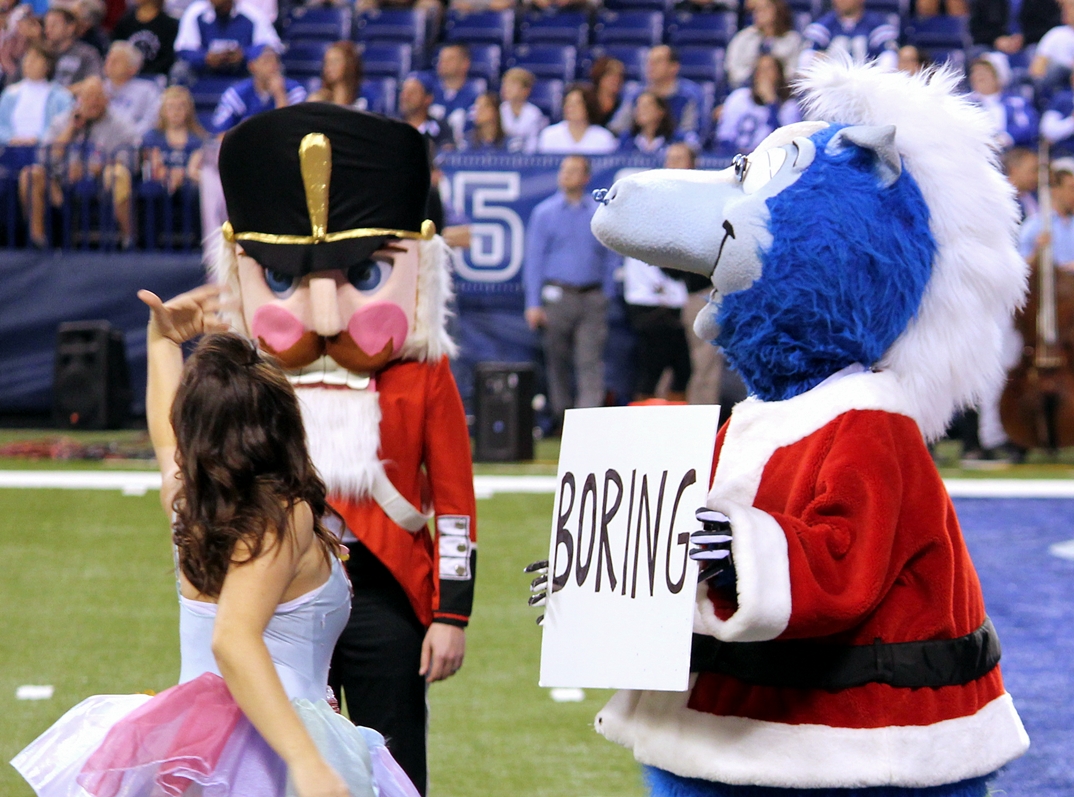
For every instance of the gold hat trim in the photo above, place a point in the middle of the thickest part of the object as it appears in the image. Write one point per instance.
(428, 230)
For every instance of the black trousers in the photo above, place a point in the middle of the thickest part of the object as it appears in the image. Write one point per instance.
(376, 660)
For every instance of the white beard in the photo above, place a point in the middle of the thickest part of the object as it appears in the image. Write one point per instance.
(343, 433)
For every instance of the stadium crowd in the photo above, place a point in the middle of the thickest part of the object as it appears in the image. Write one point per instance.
(111, 116)
(567, 76)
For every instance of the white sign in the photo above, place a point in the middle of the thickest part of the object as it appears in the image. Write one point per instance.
(621, 612)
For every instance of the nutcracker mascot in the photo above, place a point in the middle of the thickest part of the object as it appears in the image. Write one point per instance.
(862, 268)
(341, 278)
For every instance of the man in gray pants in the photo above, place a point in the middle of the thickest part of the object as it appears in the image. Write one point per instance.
(569, 276)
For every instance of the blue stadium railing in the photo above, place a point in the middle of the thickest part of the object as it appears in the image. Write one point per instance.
(85, 217)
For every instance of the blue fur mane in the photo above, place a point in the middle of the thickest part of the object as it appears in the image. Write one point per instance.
(844, 276)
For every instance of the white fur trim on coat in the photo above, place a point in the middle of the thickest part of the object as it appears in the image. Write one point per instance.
(950, 354)
(664, 733)
(758, 543)
(343, 433)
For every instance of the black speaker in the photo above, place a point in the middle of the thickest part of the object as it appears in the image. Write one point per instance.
(503, 410)
(91, 387)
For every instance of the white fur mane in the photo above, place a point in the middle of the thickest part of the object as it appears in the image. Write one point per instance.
(428, 340)
(950, 354)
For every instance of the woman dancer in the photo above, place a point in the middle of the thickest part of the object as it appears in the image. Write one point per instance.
(262, 599)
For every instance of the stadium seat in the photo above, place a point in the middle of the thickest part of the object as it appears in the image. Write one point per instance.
(942, 33)
(566, 27)
(206, 92)
(701, 64)
(685, 29)
(379, 94)
(327, 23)
(643, 28)
(812, 7)
(486, 62)
(633, 59)
(548, 96)
(955, 58)
(386, 59)
(637, 5)
(303, 59)
(394, 25)
(900, 7)
(481, 27)
(547, 61)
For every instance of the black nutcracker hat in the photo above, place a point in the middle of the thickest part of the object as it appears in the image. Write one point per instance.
(316, 186)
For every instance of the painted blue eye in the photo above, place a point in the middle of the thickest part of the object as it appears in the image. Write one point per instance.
(282, 285)
(369, 275)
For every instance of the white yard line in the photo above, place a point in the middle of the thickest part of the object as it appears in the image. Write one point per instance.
(140, 482)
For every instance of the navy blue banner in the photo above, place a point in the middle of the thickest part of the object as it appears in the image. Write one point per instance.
(495, 194)
(42, 290)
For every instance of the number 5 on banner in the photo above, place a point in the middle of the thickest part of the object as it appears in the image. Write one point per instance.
(489, 259)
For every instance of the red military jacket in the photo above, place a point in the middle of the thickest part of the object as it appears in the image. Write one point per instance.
(843, 533)
(425, 448)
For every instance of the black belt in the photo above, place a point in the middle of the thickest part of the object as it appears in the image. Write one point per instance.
(591, 286)
(805, 664)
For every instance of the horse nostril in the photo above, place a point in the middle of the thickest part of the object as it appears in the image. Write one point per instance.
(601, 195)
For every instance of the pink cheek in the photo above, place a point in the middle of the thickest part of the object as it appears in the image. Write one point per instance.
(276, 327)
(377, 324)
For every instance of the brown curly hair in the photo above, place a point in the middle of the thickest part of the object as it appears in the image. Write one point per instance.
(243, 462)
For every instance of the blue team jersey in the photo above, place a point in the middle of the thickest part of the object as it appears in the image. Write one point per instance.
(863, 40)
(242, 101)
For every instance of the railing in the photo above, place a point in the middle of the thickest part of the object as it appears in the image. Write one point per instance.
(79, 198)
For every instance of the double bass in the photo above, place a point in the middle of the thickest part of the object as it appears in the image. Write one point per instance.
(1037, 406)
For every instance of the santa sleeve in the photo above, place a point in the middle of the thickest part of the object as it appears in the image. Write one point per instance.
(821, 565)
(451, 481)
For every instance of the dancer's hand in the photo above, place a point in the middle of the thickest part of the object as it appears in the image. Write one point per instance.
(186, 316)
(318, 779)
(442, 652)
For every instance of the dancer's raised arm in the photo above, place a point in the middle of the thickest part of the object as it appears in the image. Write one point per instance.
(171, 324)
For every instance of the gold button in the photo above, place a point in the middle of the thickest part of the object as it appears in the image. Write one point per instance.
(462, 548)
(460, 570)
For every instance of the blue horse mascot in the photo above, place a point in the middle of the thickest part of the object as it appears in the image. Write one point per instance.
(863, 267)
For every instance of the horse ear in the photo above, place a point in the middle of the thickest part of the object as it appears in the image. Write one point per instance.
(879, 140)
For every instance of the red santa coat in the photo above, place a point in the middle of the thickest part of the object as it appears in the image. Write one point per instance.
(842, 532)
(425, 448)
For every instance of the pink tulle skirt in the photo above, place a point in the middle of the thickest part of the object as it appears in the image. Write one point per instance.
(193, 739)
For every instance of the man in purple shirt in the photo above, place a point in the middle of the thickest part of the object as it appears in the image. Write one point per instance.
(568, 278)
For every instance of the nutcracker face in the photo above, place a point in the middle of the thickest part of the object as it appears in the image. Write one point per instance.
(358, 316)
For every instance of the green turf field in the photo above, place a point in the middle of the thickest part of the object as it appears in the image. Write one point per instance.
(88, 606)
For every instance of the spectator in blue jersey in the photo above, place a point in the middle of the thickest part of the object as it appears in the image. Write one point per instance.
(752, 112)
(683, 96)
(849, 28)
(173, 147)
(1053, 59)
(215, 37)
(653, 128)
(487, 135)
(1014, 121)
(1057, 123)
(415, 99)
(264, 90)
(453, 91)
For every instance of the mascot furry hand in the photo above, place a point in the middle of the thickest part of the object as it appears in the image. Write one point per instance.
(861, 267)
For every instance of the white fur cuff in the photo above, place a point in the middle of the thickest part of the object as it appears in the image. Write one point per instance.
(759, 548)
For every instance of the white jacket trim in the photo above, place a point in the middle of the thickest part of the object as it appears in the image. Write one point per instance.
(663, 733)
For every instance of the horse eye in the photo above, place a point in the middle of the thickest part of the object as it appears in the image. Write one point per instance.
(742, 165)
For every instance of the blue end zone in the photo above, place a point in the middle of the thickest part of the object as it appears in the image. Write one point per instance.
(665, 784)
